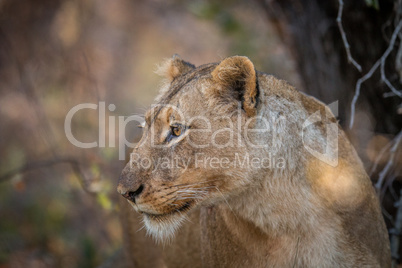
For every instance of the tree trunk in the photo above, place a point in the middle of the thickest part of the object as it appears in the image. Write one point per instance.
(309, 29)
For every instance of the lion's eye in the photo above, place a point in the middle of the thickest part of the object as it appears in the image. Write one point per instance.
(176, 130)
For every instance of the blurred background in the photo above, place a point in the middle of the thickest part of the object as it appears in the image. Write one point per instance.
(58, 202)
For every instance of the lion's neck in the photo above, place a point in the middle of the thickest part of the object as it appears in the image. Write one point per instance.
(288, 213)
(274, 206)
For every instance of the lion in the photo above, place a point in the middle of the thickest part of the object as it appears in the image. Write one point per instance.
(237, 168)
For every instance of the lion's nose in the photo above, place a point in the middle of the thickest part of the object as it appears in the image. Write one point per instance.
(131, 195)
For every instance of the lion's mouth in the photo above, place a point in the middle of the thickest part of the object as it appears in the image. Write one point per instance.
(183, 209)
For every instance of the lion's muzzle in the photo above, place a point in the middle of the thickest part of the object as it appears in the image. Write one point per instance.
(128, 187)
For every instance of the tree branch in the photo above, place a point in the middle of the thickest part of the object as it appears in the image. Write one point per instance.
(344, 39)
(384, 57)
(379, 62)
(379, 157)
(357, 90)
(390, 162)
(396, 231)
(47, 163)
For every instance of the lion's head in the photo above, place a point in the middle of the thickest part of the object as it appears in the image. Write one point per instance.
(194, 147)
(214, 137)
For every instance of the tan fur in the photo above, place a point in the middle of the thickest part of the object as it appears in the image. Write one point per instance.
(234, 72)
(173, 67)
(301, 212)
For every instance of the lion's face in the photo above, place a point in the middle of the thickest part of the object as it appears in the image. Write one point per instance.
(186, 156)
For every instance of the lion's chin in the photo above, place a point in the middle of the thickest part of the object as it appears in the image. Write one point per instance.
(163, 230)
(162, 227)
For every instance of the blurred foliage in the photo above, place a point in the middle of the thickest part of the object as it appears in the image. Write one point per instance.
(55, 54)
(217, 11)
(373, 4)
(223, 14)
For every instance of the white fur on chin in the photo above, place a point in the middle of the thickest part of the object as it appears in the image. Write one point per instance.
(163, 231)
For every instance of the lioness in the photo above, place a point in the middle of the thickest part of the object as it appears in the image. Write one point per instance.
(238, 169)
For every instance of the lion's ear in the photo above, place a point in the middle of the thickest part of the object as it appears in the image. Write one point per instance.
(236, 77)
(174, 67)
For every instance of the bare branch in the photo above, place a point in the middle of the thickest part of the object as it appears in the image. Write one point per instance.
(47, 163)
(390, 162)
(384, 57)
(396, 231)
(344, 39)
(28, 88)
(357, 90)
(379, 157)
(379, 62)
(390, 94)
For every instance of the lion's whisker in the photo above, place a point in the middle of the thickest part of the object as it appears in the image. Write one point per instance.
(143, 226)
(197, 183)
(224, 198)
